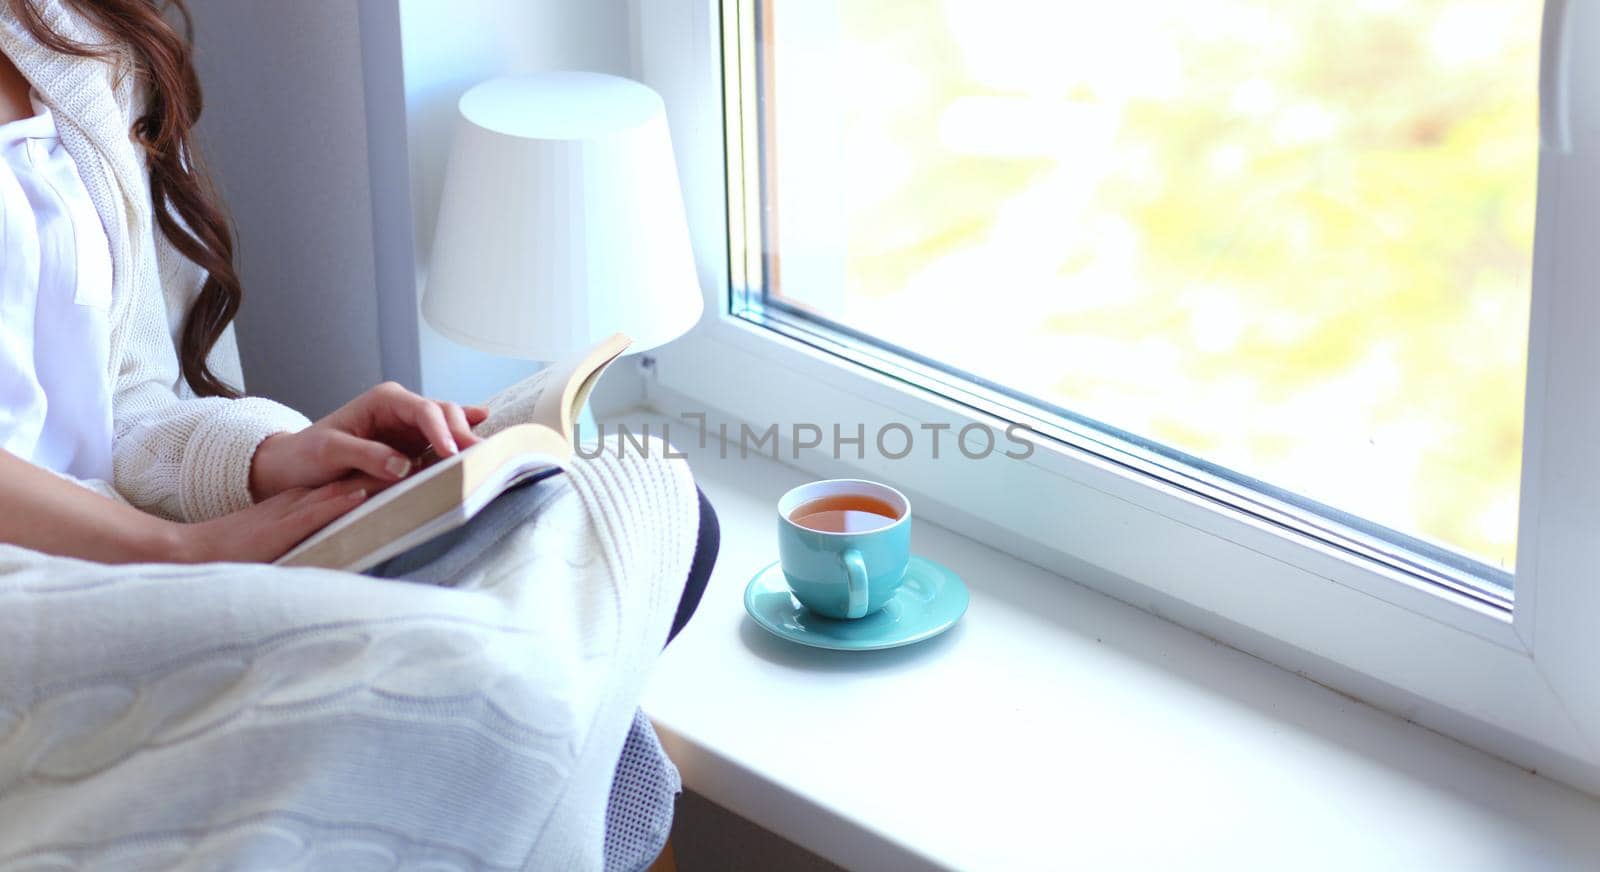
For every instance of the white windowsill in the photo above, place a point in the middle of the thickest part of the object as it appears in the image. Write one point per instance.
(1057, 727)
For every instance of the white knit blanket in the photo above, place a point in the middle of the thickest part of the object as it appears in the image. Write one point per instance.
(241, 716)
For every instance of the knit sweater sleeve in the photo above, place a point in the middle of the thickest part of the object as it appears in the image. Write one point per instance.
(181, 456)
(172, 454)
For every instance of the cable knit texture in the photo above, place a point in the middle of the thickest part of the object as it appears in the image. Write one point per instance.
(247, 717)
(173, 454)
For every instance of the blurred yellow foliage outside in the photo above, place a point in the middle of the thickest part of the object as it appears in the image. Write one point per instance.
(1293, 239)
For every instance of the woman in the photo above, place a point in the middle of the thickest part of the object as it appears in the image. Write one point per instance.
(238, 480)
(120, 439)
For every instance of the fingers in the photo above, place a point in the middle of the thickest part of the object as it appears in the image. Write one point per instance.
(444, 425)
(314, 509)
(429, 419)
(460, 426)
(265, 531)
(371, 484)
(365, 455)
(395, 415)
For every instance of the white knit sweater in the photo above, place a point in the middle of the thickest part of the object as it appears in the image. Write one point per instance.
(174, 454)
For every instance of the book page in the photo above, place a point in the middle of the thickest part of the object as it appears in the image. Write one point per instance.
(552, 395)
(518, 404)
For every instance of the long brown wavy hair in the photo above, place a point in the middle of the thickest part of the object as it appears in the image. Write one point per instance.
(185, 202)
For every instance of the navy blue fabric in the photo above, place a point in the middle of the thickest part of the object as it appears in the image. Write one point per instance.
(705, 559)
(440, 559)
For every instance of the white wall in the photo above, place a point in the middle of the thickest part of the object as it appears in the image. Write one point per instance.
(448, 48)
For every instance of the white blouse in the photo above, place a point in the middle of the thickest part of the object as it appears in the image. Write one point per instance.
(55, 299)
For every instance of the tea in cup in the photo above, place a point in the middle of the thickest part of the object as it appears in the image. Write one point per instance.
(844, 545)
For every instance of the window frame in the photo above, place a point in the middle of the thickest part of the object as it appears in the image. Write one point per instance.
(1472, 669)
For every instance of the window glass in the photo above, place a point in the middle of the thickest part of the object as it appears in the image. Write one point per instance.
(1291, 240)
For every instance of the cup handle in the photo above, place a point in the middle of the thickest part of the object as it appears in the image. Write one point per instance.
(856, 568)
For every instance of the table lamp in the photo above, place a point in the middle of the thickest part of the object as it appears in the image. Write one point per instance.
(561, 220)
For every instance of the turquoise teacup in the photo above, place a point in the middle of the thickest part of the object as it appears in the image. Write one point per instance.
(844, 574)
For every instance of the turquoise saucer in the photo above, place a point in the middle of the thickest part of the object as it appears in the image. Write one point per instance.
(930, 601)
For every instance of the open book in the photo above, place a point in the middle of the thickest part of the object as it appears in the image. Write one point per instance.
(530, 428)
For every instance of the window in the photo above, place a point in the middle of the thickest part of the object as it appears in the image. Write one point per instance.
(1280, 251)
(1325, 383)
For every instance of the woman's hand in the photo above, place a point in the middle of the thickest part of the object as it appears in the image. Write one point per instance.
(375, 436)
(265, 531)
(44, 512)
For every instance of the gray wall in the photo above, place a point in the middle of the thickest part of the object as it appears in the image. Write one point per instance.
(284, 129)
(327, 125)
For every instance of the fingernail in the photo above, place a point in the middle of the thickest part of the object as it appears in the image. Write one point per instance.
(398, 467)
(358, 496)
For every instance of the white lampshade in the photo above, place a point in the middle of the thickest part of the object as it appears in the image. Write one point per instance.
(561, 220)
